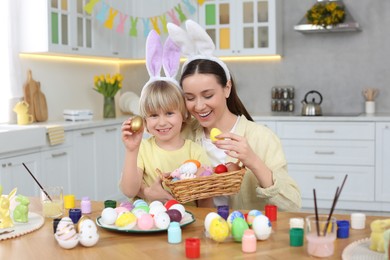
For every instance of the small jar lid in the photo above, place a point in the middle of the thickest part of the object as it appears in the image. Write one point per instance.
(75, 215)
(110, 204)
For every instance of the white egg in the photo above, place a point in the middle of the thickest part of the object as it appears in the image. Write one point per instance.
(208, 219)
(262, 227)
(155, 203)
(88, 235)
(180, 208)
(157, 209)
(109, 216)
(138, 212)
(162, 220)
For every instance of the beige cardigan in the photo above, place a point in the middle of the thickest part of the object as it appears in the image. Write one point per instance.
(284, 193)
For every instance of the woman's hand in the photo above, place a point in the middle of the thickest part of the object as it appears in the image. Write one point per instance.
(130, 139)
(237, 147)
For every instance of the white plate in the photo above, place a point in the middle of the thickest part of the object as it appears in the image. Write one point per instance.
(129, 102)
(35, 221)
(360, 250)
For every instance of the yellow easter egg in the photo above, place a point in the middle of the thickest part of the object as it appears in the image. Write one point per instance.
(125, 219)
(213, 133)
(219, 229)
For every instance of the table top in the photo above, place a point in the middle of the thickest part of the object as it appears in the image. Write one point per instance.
(115, 245)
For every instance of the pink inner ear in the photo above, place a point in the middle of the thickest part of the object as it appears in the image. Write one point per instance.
(154, 54)
(171, 58)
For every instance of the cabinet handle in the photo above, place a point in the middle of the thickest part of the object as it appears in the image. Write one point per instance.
(75, 49)
(87, 133)
(54, 155)
(319, 131)
(386, 127)
(111, 129)
(4, 165)
(9, 164)
(324, 177)
(115, 53)
(325, 152)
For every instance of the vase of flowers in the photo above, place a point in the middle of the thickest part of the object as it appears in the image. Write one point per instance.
(108, 86)
(326, 13)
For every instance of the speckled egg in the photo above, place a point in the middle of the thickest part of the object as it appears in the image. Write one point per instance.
(219, 229)
(262, 227)
(88, 235)
(109, 216)
(162, 220)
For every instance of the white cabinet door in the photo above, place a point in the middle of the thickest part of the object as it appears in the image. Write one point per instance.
(13, 174)
(243, 27)
(57, 168)
(84, 179)
(56, 26)
(109, 158)
(383, 162)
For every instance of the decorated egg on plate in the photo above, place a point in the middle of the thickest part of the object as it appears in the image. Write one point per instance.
(262, 227)
(155, 203)
(88, 235)
(169, 203)
(233, 215)
(219, 229)
(145, 222)
(251, 216)
(157, 209)
(180, 208)
(139, 211)
(139, 202)
(127, 204)
(174, 215)
(239, 226)
(109, 216)
(162, 220)
(120, 210)
(126, 220)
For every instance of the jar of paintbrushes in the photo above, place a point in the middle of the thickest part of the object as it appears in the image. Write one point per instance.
(370, 94)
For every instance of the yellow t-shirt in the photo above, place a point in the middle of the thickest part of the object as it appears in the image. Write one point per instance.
(152, 157)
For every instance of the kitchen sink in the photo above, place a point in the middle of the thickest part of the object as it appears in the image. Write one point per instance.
(21, 137)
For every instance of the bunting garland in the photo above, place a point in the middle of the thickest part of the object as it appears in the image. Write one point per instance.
(114, 19)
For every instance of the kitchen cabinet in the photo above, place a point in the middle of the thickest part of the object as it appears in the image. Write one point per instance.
(320, 154)
(97, 161)
(13, 174)
(56, 164)
(243, 27)
(56, 26)
(383, 163)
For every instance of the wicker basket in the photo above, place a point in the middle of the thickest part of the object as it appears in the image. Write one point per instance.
(227, 183)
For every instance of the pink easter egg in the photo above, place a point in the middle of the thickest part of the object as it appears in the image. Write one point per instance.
(145, 222)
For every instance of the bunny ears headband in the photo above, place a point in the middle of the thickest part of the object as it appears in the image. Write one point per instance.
(159, 56)
(195, 43)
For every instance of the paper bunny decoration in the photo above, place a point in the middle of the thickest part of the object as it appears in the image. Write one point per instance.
(195, 43)
(159, 56)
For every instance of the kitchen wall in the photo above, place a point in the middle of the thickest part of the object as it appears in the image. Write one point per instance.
(339, 65)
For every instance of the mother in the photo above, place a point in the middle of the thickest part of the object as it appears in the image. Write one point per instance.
(212, 100)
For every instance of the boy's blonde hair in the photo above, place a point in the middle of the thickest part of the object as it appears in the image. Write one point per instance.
(163, 96)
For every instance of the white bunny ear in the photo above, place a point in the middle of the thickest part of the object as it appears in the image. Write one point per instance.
(181, 38)
(154, 54)
(203, 42)
(171, 58)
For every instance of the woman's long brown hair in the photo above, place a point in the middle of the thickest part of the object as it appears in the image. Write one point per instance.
(203, 66)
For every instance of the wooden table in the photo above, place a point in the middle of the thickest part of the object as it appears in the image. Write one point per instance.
(41, 244)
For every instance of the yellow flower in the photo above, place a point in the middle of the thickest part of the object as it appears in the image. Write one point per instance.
(325, 14)
(108, 86)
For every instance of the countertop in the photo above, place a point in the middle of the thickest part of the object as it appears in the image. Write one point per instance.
(40, 244)
(349, 117)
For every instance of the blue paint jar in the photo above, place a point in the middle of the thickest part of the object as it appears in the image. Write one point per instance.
(342, 229)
